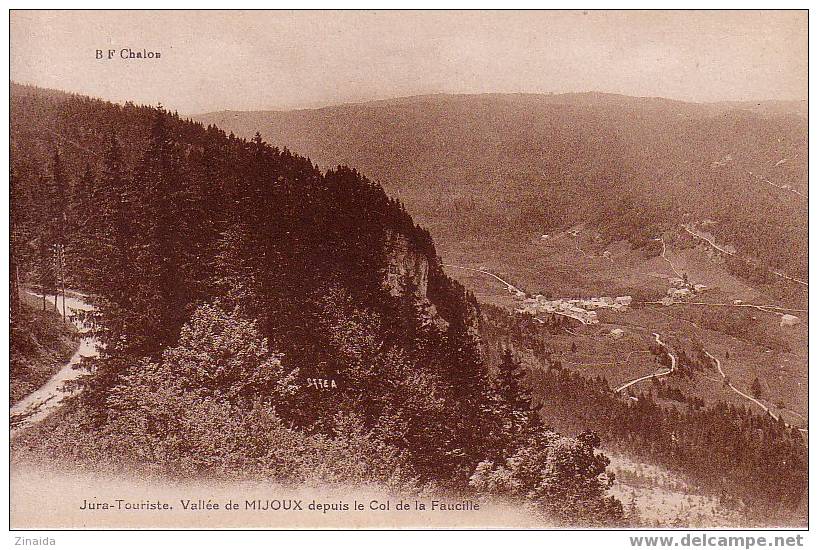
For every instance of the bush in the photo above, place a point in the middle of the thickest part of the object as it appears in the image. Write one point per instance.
(560, 476)
(208, 409)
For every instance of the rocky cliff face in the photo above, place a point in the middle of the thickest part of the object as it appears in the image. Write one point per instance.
(407, 269)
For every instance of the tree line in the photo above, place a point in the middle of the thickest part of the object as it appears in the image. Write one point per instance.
(225, 273)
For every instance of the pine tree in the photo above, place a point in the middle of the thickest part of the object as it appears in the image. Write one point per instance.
(756, 389)
(159, 299)
(19, 244)
(633, 515)
(79, 243)
(112, 227)
(515, 400)
(509, 382)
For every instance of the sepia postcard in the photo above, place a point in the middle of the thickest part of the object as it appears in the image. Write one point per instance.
(530, 270)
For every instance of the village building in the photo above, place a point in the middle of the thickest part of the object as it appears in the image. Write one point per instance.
(678, 294)
(581, 309)
(789, 320)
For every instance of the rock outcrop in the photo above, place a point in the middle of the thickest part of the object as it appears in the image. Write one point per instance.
(407, 269)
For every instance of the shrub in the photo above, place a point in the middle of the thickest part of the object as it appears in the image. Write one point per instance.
(560, 476)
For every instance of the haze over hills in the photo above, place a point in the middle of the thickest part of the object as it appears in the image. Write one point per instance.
(208, 234)
(386, 271)
(592, 194)
(495, 169)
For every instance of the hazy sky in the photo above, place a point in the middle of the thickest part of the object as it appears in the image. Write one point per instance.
(267, 60)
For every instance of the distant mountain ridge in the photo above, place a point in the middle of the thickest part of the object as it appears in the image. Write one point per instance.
(501, 166)
(767, 106)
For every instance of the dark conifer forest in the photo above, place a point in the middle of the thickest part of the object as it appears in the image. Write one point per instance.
(731, 451)
(257, 317)
(260, 318)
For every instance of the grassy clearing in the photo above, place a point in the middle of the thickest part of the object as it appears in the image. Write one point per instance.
(664, 498)
(564, 265)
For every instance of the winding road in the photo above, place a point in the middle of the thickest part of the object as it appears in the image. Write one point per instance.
(664, 257)
(744, 395)
(576, 245)
(764, 308)
(782, 187)
(37, 405)
(510, 286)
(673, 360)
(656, 374)
(720, 249)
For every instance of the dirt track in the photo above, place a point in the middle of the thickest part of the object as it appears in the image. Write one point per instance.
(43, 401)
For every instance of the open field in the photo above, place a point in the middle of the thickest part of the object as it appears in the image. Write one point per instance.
(571, 264)
(583, 265)
(664, 498)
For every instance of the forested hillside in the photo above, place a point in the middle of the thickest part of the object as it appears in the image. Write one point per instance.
(489, 169)
(262, 318)
(717, 447)
(251, 323)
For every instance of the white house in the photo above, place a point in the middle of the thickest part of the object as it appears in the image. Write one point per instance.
(681, 293)
(788, 320)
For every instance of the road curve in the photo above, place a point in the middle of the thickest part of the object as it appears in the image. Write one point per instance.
(665, 258)
(37, 405)
(744, 395)
(720, 249)
(484, 272)
(656, 374)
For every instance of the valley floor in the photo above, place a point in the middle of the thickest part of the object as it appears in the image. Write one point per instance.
(748, 342)
(744, 344)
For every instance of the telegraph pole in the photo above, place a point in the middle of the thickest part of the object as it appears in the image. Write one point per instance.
(54, 281)
(62, 280)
